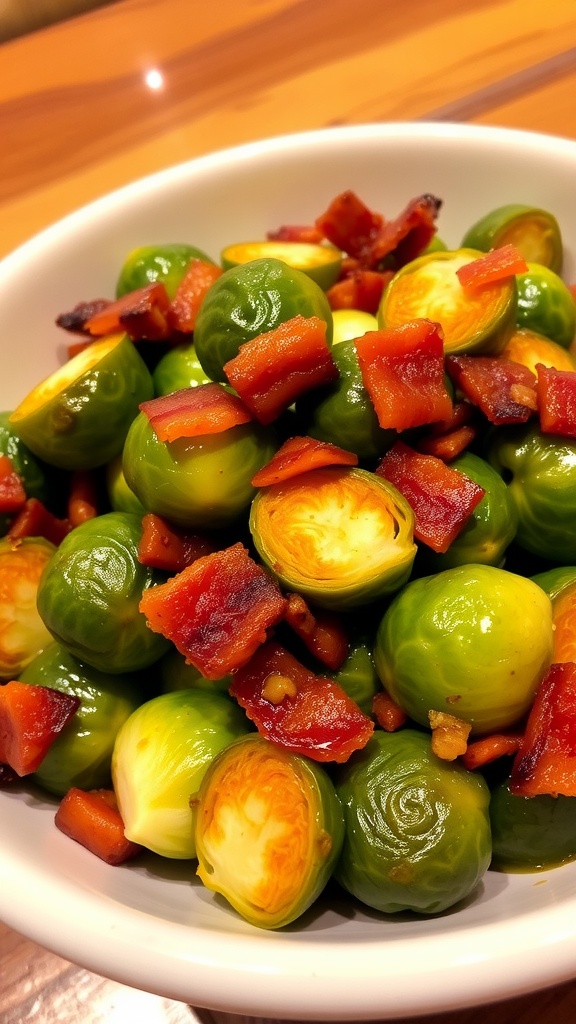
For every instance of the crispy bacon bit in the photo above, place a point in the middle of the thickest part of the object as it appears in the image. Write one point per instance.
(490, 748)
(171, 548)
(298, 455)
(76, 319)
(323, 633)
(35, 520)
(192, 412)
(143, 314)
(296, 233)
(389, 715)
(319, 719)
(405, 237)
(487, 382)
(449, 735)
(217, 611)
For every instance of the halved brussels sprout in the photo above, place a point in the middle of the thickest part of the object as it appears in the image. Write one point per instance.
(165, 263)
(81, 754)
(342, 413)
(320, 262)
(79, 416)
(249, 300)
(160, 756)
(339, 536)
(31, 471)
(474, 641)
(351, 323)
(546, 305)
(199, 482)
(491, 527)
(540, 472)
(531, 833)
(474, 321)
(178, 368)
(530, 348)
(23, 633)
(417, 828)
(89, 594)
(534, 232)
(269, 829)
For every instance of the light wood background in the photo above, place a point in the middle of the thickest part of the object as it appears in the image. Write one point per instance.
(78, 119)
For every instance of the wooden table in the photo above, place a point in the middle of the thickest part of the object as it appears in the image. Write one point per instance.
(91, 103)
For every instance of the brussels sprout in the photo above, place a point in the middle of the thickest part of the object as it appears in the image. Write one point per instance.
(249, 300)
(81, 754)
(199, 482)
(320, 262)
(160, 756)
(29, 469)
(89, 594)
(530, 348)
(342, 413)
(277, 815)
(555, 581)
(417, 831)
(534, 232)
(339, 536)
(437, 244)
(540, 472)
(178, 674)
(178, 368)
(120, 496)
(79, 416)
(477, 322)
(491, 527)
(456, 642)
(22, 632)
(351, 323)
(164, 263)
(546, 305)
(358, 676)
(531, 833)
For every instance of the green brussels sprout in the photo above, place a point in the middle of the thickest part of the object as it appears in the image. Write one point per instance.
(341, 537)
(417, 830)
(89, 594)
(456, 642)
(554, 581)
(491, 527)
(546, 305)
(358, 676)
(160, 756)
(23, 634)
(165, 263)
(475, 322)
(178, 368)
(540, 472)
(351, 323)
(197, 482)
(531, 833)
(342, 413)
(534, 232)
(28, 467)
(79, 416)
(81, 754)
(319, 261)
(120, 496)
(252, 299)
(276, 815)
(178, 674)
(437, 244)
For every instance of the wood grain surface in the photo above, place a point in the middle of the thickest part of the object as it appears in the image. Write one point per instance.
(91, 103)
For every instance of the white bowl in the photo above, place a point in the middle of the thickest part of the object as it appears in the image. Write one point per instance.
(151, 925)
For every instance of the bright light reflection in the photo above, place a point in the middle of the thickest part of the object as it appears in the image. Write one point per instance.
(485, 624)
(154, 79)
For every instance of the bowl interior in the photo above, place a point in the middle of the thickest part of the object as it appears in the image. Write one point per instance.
(152, 925)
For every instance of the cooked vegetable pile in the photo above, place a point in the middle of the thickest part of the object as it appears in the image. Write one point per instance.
(288, 562)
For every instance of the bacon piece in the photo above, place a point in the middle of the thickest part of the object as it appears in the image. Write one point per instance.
(166, 546)
(216, 611)
(191, 412)
(488, 382)
(299, 455)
